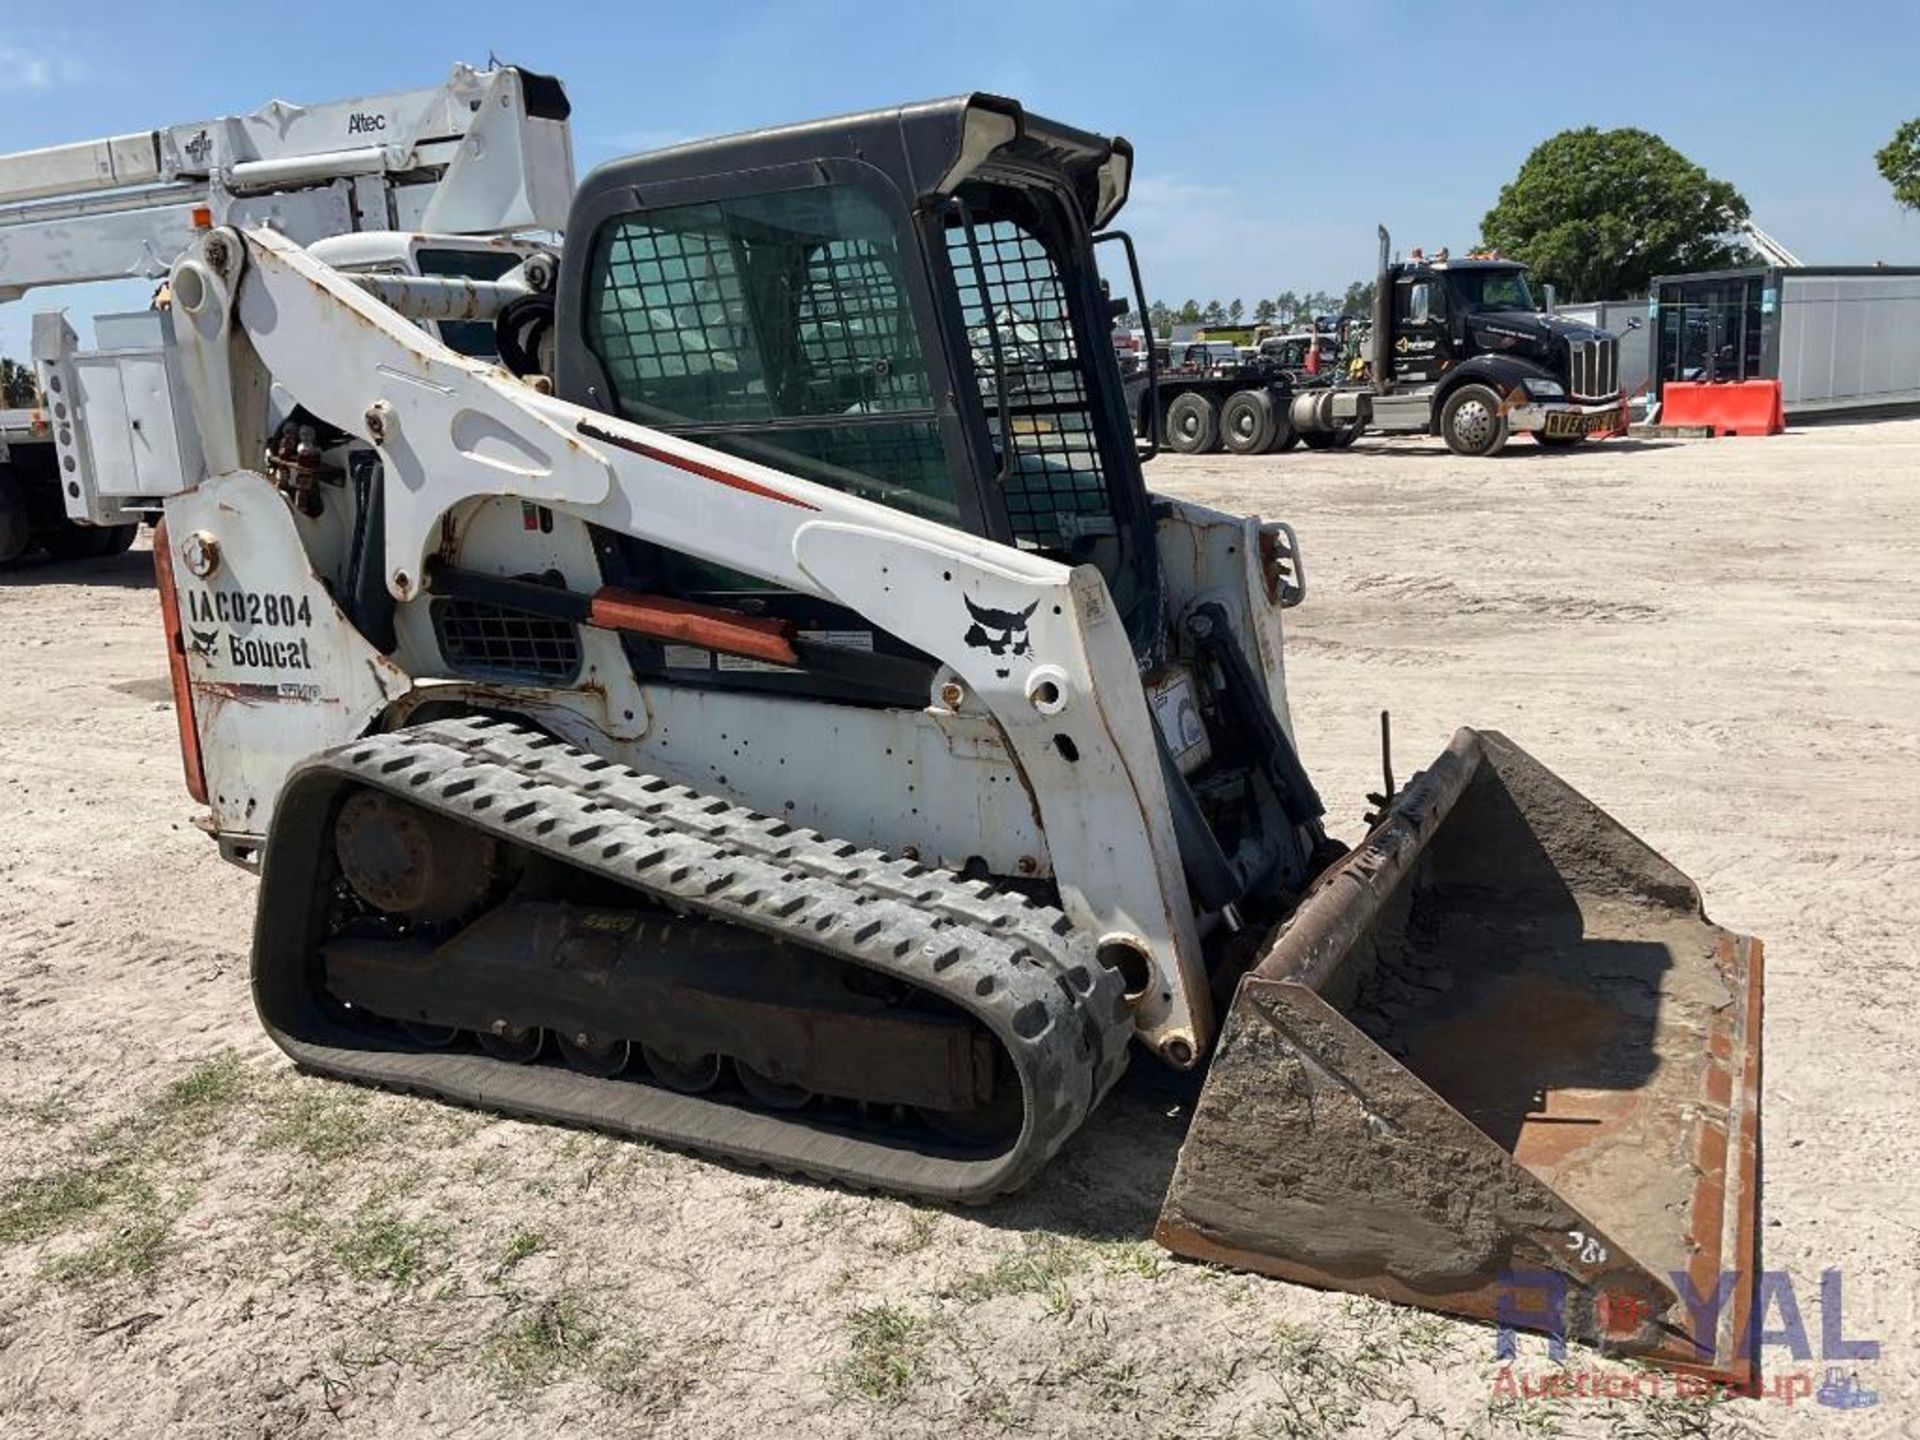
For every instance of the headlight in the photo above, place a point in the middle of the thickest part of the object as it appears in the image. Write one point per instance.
(1546, 389)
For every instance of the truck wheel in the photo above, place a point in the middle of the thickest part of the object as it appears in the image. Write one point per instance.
(16, 530)
(1343, 439)
(1471, 422)
(1285, 437)
(1247, 422)
(1321, 439)
(1193, 425)
(88, 542)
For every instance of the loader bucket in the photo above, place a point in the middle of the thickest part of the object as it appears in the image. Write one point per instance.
(1497, 1063)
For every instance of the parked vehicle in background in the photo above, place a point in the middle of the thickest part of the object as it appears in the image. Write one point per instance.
(404, 187)
(1304, 353)
(1463, 349)
(1130, 349)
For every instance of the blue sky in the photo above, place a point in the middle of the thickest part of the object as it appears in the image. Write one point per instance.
(1270, 136)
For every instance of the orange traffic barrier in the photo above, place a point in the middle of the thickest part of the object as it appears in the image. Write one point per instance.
(1732, 407)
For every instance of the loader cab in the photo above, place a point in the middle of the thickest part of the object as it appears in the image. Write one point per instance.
(902, 305)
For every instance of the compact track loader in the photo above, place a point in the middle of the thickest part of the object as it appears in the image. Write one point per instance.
(768, 714)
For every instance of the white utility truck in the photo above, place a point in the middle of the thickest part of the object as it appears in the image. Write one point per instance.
(434, 181)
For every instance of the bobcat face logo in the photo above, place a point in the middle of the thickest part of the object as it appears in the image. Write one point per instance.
(203, 642)
(1000, 632)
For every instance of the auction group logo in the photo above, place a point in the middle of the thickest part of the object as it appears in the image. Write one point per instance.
(1536, 1300)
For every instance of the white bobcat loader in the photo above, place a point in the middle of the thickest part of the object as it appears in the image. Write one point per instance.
(778, 721)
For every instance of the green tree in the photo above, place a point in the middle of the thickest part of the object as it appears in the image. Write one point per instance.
(1160, 318)
(1359, 299)
(1264, 312)
(1189, 313)
(1899, 161)
(1286, 306)
(1235, 310)
(18, 388)
(1599, 213)
(1214, 314)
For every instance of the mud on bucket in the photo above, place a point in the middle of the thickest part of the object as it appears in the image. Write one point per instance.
(1497, 1063)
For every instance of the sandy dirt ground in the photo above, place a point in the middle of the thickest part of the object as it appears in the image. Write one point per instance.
(1717, 641)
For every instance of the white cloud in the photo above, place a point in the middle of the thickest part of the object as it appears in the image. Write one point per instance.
(36, 68)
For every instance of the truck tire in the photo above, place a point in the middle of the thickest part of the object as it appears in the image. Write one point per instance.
(16, 529)
(1285, 437)
(1193, 424)
(1472, 422)
(88, 542)
(1247, 422)
(1338, 439)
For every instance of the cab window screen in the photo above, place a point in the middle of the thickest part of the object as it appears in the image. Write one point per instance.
(775, 327)
(1020, 329)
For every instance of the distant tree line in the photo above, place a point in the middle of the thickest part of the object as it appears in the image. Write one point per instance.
(1286, 308)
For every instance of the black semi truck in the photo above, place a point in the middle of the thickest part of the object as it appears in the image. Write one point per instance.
(1461, 349)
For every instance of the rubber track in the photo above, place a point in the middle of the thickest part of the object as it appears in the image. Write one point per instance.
(1020, 969)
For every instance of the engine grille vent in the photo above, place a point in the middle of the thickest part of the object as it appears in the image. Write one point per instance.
(493, 642)
(1594, 369)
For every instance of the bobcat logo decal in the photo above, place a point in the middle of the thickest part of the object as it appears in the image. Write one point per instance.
(1000, 632)
(203, 642)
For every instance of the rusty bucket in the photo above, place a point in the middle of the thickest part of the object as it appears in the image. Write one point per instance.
(1497, 1063)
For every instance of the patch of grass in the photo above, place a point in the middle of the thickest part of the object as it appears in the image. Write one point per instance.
(922, 1225)
(188, 1110)
(42, 1205)
(1041, 1265)
(111, 1176)
(542, 1342)
(829, 1214)
(210, 1086)
(1540, 1417)
(624, 1367)
(320, 1121)
(46, 1111)
(1672, 1417)
(1133, 1257)
(132, 1252)
(886, 1354)
(524, 1244)
(1392, 1337)
(1113, 1383)
(377, 1244)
